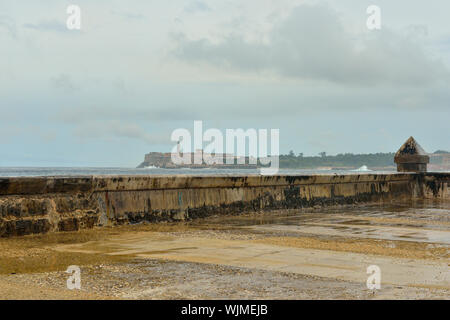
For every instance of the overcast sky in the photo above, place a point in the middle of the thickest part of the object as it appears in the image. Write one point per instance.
(109, 93)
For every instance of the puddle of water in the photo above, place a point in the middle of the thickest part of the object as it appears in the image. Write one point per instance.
(350, 216)
(417, 221)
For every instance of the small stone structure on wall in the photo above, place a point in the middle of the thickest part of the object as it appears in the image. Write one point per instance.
(411, 157)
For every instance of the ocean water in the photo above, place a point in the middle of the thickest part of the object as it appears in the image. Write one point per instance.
(87, 171)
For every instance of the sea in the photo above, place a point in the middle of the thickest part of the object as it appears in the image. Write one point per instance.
(89, 171)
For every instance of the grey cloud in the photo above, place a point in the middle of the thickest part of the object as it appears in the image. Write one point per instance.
(197, 6)
(8, 24)
(248, 101)
(119, 85)
(128, 15)
(63, 82)
(313, 44)
(48, 25)
(10, 131)
(417, 30)
(126, 112)
(444, 43)
(110, 130)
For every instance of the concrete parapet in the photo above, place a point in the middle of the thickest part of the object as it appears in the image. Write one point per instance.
(46, 185)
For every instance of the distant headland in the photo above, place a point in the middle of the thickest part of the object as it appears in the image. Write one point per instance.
(218, 161)
(439, 160)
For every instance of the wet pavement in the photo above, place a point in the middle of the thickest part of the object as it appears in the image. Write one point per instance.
(295, 254)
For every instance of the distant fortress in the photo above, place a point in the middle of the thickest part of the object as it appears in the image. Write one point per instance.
(439, 161)
(228, 161)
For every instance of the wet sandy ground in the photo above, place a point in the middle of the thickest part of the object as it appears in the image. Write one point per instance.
(315, 254)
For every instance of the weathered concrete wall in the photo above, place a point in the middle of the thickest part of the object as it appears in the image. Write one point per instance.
(43, 204)
(434, 185)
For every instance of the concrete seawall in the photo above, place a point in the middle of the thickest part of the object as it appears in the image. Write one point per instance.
(43, 204)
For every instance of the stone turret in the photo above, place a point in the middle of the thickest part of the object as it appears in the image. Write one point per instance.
(411, 157)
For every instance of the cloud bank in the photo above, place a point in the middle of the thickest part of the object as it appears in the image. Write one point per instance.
(312, 44)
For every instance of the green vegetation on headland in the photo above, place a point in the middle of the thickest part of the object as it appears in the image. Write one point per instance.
(347, 160)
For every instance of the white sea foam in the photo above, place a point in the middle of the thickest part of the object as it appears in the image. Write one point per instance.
(362, 169)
